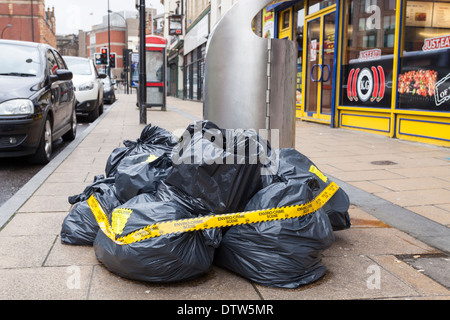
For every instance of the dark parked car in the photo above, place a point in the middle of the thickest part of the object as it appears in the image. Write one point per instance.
(37, 100)
(109, 91)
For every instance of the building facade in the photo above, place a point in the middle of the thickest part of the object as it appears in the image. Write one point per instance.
(379, 66)
(173, 31)
(67, 45)
(27, 20)
(187, 48)
(121, 34)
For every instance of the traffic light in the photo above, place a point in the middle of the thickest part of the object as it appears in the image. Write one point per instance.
(104, 56)
(112, 60)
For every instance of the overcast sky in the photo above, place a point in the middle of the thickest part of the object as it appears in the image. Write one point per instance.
(72, 15)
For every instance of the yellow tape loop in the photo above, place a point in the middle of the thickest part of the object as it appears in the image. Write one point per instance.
(213, 221)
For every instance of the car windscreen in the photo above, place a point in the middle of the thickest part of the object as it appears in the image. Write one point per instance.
(79, 66)
(19, 60)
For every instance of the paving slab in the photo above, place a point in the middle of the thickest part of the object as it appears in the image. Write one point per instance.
(70, 255)
(347, 277)
(50, 283)
(218, 284)
(34, 224)
(24, 251)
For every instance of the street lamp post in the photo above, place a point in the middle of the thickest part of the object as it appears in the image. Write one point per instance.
(7, 26)
(109, 45)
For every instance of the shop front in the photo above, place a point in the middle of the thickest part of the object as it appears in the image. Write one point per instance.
(381, 66)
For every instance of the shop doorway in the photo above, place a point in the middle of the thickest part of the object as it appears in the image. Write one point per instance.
(319, 45)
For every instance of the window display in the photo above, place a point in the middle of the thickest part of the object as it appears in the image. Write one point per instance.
(368, 53)
(424, 76)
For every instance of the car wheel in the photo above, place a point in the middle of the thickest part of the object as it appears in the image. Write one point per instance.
(72, 133)
(100, 108)
(44, 150)
(94, 114)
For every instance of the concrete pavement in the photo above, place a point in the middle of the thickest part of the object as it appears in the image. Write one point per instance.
(400, 192)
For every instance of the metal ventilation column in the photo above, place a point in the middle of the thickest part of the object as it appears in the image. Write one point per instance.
(249, 80)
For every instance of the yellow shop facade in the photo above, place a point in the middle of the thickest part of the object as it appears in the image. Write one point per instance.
(380, 66)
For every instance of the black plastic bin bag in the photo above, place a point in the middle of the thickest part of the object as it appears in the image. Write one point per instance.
(281, 253)
(293, 165)
(168, 258)
(141, 174)
(80, 227)
(220, 167)
(154, 140)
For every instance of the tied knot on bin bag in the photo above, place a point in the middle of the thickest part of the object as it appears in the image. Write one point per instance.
(207, 172)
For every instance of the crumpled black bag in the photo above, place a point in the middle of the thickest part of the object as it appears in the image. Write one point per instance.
(168, 258)
(221, 168)
(154, 140)
(281, 253)
(293, 165)
(80, 226)
(141, 173)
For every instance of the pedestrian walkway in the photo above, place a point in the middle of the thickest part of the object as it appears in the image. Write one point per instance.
(368, 261)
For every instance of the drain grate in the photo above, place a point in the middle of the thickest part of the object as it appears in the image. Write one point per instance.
(383, 163)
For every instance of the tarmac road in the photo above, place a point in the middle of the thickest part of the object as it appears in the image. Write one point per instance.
(16, 172)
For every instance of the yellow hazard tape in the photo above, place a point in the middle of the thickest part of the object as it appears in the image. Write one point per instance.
(318, 173)
(213, 221)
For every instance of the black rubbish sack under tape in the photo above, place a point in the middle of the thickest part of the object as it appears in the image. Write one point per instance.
(80, 226)
(281, 253)
(222, 168)
(207, 171)
(141, 174)
(168, 258)
(293, 165)
(153, 140)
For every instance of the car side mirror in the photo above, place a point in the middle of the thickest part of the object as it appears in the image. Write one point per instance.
(102, 75)
(61, 75)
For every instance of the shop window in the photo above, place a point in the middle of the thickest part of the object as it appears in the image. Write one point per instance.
(187, 77)
(285, 19)
(284, 25)
(368, 53)
(194, 73)
(299, 22)
(424, 76)
(317, 5)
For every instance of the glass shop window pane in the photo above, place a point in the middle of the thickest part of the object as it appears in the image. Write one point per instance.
(368, 55)
(424, 77)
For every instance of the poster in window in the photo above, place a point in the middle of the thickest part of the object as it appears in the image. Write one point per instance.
(268, 27)
(419, 14)
(441, 17)
(368, 83)
(424, 81)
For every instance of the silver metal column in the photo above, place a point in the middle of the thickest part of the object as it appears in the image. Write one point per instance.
(250, 81)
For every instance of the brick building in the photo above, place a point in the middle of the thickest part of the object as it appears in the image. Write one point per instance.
(27, 20)
(121, 35)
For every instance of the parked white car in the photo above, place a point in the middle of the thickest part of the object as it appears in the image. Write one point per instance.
(88, 86)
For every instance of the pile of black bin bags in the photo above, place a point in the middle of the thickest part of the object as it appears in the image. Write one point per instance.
(160, 178)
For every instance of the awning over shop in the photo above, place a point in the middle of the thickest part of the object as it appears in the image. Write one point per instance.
(274, 5)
